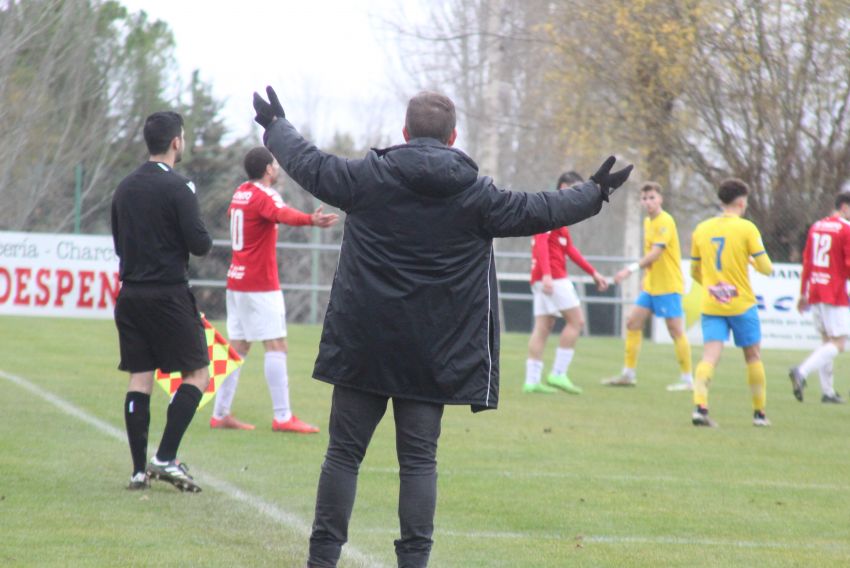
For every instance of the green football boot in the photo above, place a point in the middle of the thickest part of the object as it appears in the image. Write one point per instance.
(539, 388)
(563, 382)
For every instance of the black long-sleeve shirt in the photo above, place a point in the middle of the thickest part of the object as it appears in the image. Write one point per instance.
(156, 224)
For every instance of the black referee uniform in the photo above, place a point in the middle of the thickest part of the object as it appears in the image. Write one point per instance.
(155, 226)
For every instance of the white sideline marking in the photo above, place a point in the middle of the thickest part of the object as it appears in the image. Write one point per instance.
(626, 478)
(600, 539)
(275, 513)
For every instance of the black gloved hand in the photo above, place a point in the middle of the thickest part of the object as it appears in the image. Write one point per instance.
(608, 181)
(267, 112)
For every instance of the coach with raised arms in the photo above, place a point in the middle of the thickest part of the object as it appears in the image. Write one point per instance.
(413, 311)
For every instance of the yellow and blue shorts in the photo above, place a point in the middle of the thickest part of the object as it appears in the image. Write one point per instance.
(746, 328)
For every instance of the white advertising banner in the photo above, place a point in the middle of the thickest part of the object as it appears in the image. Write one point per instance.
(782, 327)
(57, 275)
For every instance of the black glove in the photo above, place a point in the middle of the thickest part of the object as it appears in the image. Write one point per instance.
(267, 112)
(607, 181)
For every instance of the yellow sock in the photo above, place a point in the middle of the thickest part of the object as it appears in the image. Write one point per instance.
(758, 384)
(633, 339)
(683, 354)
(701, 379)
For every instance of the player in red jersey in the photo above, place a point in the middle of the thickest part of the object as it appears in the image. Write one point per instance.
(823, 289)
(555, 296)
(255, 306)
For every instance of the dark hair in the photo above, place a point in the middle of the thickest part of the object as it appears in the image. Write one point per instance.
(430, 115)
(731, 189)
(569, 178)
(841, 199)
(256, 161)
(651, 186)
(160, 129)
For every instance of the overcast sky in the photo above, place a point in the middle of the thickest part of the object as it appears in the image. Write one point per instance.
(332, 62)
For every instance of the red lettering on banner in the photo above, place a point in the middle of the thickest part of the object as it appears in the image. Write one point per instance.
(112, 288)
(5, 274)
(84, 300)
(43, 295)
(65, 284)
(88, 290)
(22, 278)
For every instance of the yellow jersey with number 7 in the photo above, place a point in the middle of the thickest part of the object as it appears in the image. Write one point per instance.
(723, 247)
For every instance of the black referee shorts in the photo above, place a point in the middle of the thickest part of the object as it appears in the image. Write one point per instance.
(159, 327)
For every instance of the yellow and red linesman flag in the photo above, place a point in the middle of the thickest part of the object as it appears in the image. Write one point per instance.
(223, 361)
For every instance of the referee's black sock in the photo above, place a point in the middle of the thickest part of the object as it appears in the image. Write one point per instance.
(137, 418)
(180, 413)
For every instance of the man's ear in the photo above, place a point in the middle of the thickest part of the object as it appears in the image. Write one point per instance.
(452, 138)
(405, 133)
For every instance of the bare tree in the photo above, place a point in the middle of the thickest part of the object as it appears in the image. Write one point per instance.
(768, 99)
(72, 83)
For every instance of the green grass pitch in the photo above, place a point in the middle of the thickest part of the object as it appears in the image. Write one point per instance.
(614, 477)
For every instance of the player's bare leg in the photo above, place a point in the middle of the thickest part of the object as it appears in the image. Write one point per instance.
(534, 363)
(558, 378)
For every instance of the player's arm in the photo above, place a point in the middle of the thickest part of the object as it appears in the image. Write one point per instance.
(756, 248)
(197, 238)
(575, 255)
(696, 260)
(803, 302)
(845, 234)
(762, 263)
(654, 254)
(540, 252)
(273, 209)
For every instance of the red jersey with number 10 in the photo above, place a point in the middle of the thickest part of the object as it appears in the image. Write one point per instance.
(826, 262)
(255, 211)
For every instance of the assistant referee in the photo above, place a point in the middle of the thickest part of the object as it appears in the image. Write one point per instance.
(155, 225)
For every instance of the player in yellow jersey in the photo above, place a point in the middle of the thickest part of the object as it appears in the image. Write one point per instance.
(663, 286)
(722, 249)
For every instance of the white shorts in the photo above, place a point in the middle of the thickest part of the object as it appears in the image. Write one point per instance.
(255, 316)
(832, 321)
(563, 297)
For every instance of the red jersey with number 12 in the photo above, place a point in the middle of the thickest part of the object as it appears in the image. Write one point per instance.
(255, 211)
(826, 262)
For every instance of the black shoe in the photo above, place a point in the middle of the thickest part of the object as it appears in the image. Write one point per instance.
(834, 398)
(798, 382)
(173, 472)
(700, 418)
(139, 482)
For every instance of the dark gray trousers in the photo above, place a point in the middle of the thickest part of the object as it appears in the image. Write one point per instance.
(354, 417)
